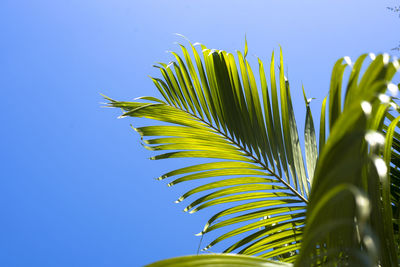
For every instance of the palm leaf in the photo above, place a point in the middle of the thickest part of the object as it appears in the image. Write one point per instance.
(221, 260)
(216, 112)
(351, 174)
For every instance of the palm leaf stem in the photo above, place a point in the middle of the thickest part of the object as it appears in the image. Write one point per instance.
(263, 165)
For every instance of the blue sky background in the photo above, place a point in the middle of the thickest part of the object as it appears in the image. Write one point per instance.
(76, 186)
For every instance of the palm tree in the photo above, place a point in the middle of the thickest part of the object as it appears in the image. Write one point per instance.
(337, 206)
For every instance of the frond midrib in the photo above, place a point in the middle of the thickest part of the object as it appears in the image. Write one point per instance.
(248, 154)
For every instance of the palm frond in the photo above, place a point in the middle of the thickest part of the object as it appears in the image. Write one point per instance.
(221, 260)
(217, 113)
(349, 216)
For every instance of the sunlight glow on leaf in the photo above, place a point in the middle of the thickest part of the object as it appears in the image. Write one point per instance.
(380, 167)
(395, 63)
(384, 98)
(372, 56)
(386, 58)
(366, 107)
(347, 59)
(375, 138)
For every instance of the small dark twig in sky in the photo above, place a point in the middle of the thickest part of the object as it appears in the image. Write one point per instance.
(397, 10)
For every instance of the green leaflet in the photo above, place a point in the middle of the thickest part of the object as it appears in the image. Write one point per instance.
(195, 141)
(310, 140)
(209, 166)
(335, 92)
(246, 181)
(219, 173)
(201, 154)
(179, 131)
(248, 196)
(196, 146)
(322, 126)
(220, 260)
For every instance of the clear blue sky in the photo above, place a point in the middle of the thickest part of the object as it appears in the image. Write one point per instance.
(76, 186)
